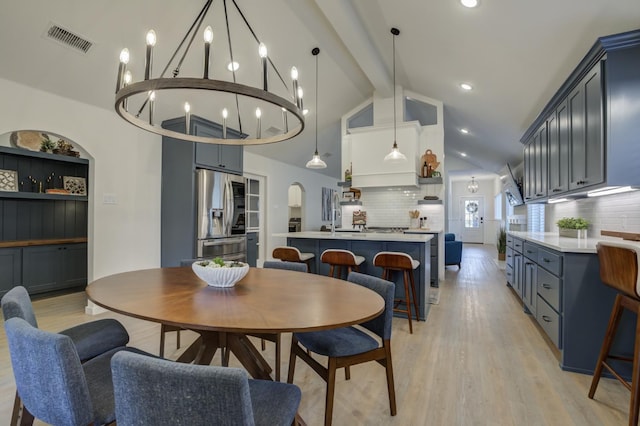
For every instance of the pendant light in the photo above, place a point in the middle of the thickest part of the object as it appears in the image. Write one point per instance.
(395, 155)
(316, 162)
(472, 187)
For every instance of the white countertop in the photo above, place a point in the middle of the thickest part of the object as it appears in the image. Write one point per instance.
(363, 236)
(564, 244)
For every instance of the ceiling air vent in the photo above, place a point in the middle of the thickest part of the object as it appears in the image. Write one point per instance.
(69, 39)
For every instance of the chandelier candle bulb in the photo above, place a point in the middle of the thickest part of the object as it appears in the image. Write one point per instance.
(225, 114)
(262, 51)
(151, 41)
(285, 124)
(187, 117)
(128, 78)
(300, 93)
(152, 99)
(294, 78)
(208, 38)
(124, 60)
(259, 129)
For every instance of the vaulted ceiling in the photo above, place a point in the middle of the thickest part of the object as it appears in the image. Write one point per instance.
(515, 55)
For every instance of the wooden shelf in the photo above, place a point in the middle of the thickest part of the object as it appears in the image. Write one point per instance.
(43, 155)
(429, 201)
(430, 181)
(351, 203)
(345, 183)
(27, 243)
(42, 196)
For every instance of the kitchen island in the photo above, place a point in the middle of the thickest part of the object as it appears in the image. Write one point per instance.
(558, 281)
(367, 244)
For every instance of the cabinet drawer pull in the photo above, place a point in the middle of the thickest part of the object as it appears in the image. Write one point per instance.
(539, 195)
(546, 318)
(557, 190)
(547, 286)
(508, 255)
(545, 260)
(530, 251)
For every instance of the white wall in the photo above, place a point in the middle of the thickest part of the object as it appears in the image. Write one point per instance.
(124, 161)
(278, 178)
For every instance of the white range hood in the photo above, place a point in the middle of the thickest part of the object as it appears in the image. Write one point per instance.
(369, 146)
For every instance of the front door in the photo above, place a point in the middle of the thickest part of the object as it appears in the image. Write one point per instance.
(472, 210)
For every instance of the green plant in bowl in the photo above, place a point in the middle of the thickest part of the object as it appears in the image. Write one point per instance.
(572, 223)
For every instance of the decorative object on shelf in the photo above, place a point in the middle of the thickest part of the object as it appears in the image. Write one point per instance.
(395, 155)
(356, 193)
(56, 191)
(430, 197)
(572, 227)
(473, 186)
(359, 217)
(429, 164)
(316, 162)
(347, 173)
(63, 147)
(502, 243)
(435, 174)
(8, 180)
(75, 185)
(47, 144)
(220, 273)
(205, 94)
(348, 195)
(26, 139)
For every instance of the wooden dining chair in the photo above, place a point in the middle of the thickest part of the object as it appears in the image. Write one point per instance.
(349, 345)
(90, 339)
(165, 393)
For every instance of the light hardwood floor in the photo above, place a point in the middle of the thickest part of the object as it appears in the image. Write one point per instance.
(477, 360)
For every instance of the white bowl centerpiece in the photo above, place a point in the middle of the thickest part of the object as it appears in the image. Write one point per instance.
(220, 273)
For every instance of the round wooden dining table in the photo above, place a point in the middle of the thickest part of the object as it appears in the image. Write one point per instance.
(264, 301)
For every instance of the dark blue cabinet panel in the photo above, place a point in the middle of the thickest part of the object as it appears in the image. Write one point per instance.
(252, 248)
(11, 267)
(54, 267)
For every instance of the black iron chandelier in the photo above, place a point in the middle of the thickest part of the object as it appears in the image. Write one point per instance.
(138, 101)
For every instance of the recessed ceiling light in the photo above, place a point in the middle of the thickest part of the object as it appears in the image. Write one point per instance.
(466, 86)
(233, 66)
(463, 154)
(465, 131)
(469, 3)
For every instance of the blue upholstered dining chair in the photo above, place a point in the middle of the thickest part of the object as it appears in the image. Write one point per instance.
(150, 391)
(53, 384)
(90, 339)
(349, 346)
(452, 250)
(275, 337)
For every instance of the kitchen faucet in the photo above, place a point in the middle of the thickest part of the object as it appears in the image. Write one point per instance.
(335, 203)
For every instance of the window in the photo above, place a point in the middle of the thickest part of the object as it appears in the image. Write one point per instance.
(471, 217)
(253, 210)
(535, 217)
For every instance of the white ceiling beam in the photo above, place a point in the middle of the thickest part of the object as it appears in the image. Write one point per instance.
(330, 42)
(343, 16)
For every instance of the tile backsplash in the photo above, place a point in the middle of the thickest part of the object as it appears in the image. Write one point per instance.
(389, 207)
(620, 212)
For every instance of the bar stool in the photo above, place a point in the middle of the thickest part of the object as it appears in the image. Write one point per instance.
(341, 258)
(396, 261)
(292, 254)
(619, 269)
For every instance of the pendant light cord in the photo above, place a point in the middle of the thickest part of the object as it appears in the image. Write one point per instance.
(317, 101)
(395, 144)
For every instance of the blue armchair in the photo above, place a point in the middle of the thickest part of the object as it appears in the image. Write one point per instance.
(452, 250)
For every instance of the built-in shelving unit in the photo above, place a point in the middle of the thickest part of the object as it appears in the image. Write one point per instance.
(346, 183)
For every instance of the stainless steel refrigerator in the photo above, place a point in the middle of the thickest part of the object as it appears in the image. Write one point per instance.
(220, 220)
